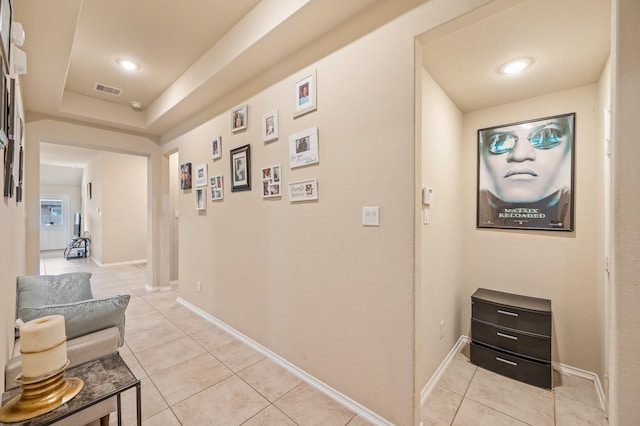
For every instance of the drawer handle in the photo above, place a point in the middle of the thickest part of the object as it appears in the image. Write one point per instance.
(507, 336)
(511, 314)
(515, 364)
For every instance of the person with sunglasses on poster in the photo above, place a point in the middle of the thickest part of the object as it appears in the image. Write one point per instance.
(525, 174)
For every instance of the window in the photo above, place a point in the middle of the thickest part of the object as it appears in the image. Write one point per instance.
(51, 212)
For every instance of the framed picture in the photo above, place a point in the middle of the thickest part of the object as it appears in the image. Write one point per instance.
(217, 191)
(201, 175)
(303, 148)
(5, 30)
(185, 176)
(303, 190)
(20, 174)
(9, 160)
(89, 191)
(3, 107)
(526, 174)
(216, 148)
(271, 179)
(241, 168)
(270, 126)
(239, 118)
(305, 94)
(11, 118)
(201, 202)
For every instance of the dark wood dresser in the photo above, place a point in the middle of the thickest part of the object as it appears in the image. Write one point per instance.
(511, 335)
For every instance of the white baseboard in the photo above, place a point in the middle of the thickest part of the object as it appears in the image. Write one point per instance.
(357, 408)
(428, 388)
(130, 262)
(573, 371)
(157, 288)
(562, 368)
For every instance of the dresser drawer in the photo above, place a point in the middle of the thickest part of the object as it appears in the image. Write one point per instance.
(529, 345)
(512, 317)
(534, 373)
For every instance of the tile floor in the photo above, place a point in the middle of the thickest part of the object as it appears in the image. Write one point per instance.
(469, 395)
(194, 373)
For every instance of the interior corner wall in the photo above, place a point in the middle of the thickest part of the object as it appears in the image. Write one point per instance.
(603, 244)
(174, 192)
(625, 320)
(13, 248)
(12, 253)
(93, 206)
(560, 266)
(441, 247)
(123, 195)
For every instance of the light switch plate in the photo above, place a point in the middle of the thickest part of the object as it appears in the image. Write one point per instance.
(371, 216)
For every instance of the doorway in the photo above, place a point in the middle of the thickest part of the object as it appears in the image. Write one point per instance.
(54, 221)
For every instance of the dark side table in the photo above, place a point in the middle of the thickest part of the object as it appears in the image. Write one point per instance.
(103, 378)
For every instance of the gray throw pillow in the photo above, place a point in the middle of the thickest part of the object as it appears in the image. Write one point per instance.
(84, 317)
(40, 290)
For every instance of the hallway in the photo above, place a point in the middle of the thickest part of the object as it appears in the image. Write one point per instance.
(192, 372)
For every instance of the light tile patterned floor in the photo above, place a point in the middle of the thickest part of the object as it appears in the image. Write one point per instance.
(469, 395)
(194, 373)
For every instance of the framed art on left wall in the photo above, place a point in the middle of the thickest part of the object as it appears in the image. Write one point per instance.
(5, 30)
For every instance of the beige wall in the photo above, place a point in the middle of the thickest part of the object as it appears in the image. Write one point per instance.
(603, 244)
(625, 321)
(92, 215)
(123, 207)
(441, 247)
(307, 280)
(12, 254)
(560, 266)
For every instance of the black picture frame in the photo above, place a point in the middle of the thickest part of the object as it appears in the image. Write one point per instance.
(11, 113)
(20, 174)
(9, 160)
(240, 163)
(6, 12)
(526, 174)
(4, 111)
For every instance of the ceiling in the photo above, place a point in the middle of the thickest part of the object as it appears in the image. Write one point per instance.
(192, 53)
(194, 56)
(568, 41)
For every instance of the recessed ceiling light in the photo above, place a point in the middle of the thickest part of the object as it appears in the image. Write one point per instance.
(515, 66)
(127, 64)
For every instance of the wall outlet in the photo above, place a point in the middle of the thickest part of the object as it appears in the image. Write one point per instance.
(197, 285)
(441, 329)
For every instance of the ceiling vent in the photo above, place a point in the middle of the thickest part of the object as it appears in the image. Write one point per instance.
(106, 89)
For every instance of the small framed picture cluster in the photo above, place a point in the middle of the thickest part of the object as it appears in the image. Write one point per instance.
(303, 152)
(271, 178)
(217, 191)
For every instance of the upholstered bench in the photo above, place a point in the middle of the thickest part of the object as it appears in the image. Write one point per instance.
(94, 327)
